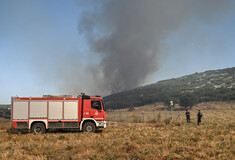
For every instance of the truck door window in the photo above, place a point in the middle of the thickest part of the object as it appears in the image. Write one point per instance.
(96, 105)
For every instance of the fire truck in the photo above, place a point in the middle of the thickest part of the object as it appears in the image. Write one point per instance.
(40, 114)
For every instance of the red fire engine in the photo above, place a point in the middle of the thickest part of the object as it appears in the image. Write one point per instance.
(58, 112)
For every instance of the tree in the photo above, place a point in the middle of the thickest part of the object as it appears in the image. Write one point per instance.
(188, 100)
(131, 109)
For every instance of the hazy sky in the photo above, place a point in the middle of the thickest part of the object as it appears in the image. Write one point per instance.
(51, 46)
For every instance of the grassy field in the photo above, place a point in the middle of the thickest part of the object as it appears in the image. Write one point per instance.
(213, 139)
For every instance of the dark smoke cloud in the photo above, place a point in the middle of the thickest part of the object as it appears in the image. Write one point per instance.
(129, 35)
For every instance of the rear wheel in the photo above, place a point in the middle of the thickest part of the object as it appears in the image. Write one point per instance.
(38, 128)
(88, 127)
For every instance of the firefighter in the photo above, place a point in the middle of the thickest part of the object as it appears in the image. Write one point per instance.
(187, 116)
(199, 117)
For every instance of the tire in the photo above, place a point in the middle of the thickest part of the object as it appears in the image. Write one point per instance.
(88, 127)
(38, 128)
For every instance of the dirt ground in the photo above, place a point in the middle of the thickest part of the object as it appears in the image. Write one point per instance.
(213, 139)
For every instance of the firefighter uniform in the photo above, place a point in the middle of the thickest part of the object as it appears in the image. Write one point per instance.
(187, 116)
(199, 117)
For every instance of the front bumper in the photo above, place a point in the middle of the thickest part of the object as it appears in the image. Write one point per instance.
(102, 124)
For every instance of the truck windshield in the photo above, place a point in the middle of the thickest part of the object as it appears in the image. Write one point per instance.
(103, 105)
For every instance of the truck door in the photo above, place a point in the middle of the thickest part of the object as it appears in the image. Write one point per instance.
(96, 110)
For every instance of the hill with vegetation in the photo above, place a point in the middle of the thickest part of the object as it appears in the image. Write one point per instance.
(213, 85)
(4, 110)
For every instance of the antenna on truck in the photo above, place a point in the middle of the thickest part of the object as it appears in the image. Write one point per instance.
(84, 96)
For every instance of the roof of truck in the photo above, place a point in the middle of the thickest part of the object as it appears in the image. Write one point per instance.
(60, 97)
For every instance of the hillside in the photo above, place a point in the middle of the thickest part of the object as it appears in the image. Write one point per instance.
(214, 85)
(4, 110)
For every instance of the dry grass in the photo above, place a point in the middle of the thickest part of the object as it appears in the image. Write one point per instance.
(213, 139)
(216, 105)
(156, 112)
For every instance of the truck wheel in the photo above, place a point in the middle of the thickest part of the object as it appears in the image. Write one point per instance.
(38, 128)
(88, 127)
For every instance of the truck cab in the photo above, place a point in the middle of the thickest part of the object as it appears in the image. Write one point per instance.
(94, 112)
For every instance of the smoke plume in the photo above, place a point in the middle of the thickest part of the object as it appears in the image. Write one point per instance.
(129, 36)
(106, 46)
